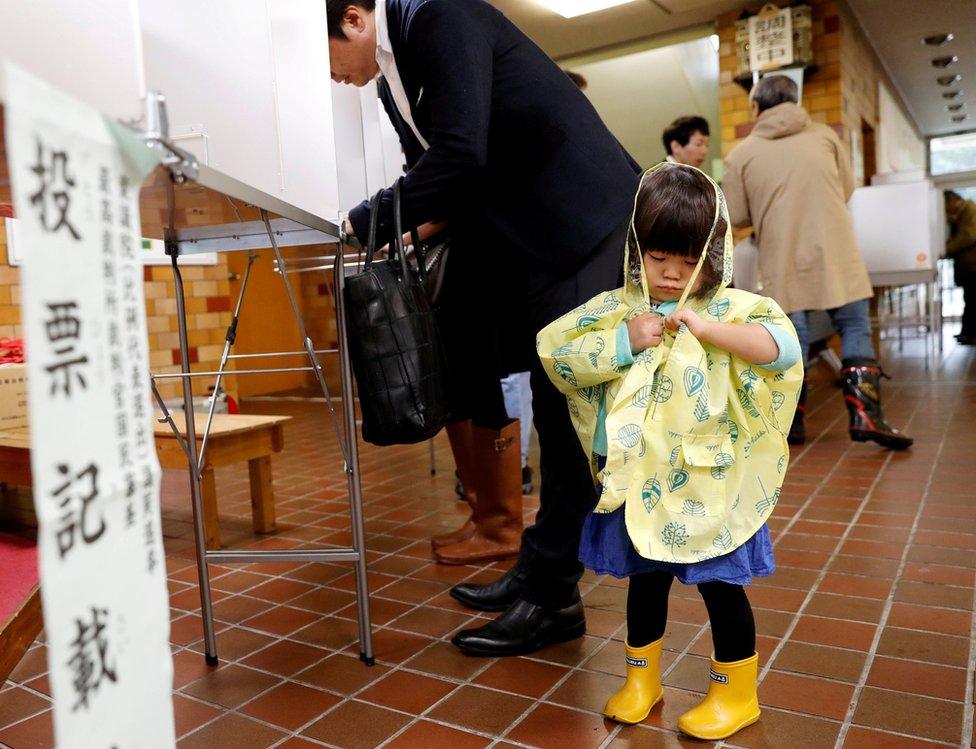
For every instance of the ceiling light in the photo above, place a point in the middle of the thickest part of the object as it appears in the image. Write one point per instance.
(951, 94)
(937, 40)
(944, 62)
(574, 8)
(960, 117)
(955, 107)
(948, 80)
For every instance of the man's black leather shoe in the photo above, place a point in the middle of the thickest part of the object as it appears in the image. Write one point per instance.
(496, 596)
(523, 629)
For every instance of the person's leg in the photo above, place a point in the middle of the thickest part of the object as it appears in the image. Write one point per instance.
(518, 404)
(647, 607)
(647, 619)
(853, 323)
(550, 547)
(862, 378)
(477, 404)
(525, 412)
(731, 619)
(799, 320)
(798, 429)
(731, 703)
(968, 330)
(545, 606)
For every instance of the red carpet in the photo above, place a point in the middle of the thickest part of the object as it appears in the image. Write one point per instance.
(18, 574)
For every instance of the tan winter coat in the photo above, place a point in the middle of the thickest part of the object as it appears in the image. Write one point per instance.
(791, 179)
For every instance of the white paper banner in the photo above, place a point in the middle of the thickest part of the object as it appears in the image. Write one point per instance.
(76, 185)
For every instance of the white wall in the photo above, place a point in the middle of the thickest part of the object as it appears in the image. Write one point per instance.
(87, 48)
(898, 147)
(641, 93)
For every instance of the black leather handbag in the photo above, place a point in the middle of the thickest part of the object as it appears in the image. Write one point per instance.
(394, 345)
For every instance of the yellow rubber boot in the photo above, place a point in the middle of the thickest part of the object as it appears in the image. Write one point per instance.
(730, 705)
(643, 689)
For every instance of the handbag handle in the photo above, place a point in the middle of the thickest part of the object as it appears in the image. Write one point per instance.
(396, 246)
(374, 216)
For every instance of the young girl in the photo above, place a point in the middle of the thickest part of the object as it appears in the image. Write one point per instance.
(682, 392)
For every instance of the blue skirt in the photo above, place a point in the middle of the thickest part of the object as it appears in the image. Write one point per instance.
(606, 549)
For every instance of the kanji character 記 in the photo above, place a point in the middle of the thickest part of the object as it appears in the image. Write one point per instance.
(90, 657)
(64, 332)
(74, 498)
(54, 190)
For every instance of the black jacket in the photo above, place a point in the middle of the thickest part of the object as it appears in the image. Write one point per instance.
(510, 135)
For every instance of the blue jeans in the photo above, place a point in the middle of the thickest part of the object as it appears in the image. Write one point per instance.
(518, 403)
(852, 321)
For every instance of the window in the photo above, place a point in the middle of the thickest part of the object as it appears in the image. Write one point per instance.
(953, 153)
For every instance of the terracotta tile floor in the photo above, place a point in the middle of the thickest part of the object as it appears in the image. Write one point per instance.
(865, 631)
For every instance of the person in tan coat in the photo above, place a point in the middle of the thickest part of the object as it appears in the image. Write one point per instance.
(790, 180)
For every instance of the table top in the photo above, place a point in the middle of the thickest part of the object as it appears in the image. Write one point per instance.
(223, 425)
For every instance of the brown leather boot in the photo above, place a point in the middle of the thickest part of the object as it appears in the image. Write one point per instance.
(462, 446)
(498, 511)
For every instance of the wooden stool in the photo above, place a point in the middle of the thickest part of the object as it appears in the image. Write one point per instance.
(234, 438)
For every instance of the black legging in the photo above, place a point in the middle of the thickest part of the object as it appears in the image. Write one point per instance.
(729, 613)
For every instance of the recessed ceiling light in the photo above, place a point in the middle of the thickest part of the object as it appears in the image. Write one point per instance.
(944, 62)
(948, 80)
(955, 107)
(937, 40)
(960, 117)
(574, 8)
(951, 94)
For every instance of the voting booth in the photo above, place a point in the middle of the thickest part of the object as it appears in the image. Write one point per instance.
(230, 142)
(899, 222)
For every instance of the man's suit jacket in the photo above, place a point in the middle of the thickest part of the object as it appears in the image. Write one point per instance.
(511, 137)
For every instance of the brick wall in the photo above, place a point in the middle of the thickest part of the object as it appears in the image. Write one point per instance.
(843, 91)
(319, 309)
(821, 92)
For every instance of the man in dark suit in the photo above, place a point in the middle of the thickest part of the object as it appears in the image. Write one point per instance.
(497, 136)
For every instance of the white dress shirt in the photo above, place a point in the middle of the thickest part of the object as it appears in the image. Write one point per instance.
(388, 69)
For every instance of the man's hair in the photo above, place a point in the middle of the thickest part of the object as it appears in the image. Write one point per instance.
(682, 129)
(335, 9)
(576, 78)
(952, 196)
(675, 210)
(773, 90)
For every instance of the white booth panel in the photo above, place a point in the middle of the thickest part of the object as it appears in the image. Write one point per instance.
(247, 88)
(899, 226)
(89, 49)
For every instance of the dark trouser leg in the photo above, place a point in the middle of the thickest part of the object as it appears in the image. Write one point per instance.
(550, 548)
(647, 607)
(969, 311)
(730, 616)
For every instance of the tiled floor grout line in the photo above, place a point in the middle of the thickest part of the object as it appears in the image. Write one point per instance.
(967, 715)
(889, 602)
(291, 678)
(830, 559)
(392, 528)
(542, 698)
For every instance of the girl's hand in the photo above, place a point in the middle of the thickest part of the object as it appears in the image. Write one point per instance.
(645, 331)
(696, 326)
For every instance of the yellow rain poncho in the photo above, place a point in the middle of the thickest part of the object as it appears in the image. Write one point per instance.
(696, 438)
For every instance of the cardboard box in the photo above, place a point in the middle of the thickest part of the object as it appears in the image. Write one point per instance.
(13, 396)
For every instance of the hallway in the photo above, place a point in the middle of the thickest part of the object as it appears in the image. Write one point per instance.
(865, 630)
